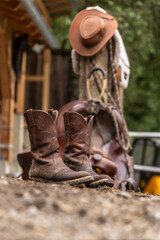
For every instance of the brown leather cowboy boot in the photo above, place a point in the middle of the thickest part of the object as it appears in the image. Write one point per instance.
(46, 162)
(76, 155)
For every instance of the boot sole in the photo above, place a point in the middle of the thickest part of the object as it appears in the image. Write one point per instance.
(101, 182)
(86, 179)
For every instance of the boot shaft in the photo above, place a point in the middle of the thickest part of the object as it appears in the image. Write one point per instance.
(42, 131)
(77, 130)
(78, 133)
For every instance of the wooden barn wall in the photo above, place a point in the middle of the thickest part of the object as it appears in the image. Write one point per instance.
(63, 82)
(33, 91)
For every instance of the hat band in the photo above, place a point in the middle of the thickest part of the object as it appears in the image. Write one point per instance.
(94, 40)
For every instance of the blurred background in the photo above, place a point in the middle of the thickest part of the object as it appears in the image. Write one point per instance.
(139, 26)
(36, 70)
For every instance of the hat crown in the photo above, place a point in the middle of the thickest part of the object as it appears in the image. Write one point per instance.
(91, 28)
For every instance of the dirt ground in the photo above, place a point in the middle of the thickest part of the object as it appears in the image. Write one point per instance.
(36, 211)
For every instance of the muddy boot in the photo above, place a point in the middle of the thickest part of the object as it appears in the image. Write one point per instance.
(76, 155)
(46, 162)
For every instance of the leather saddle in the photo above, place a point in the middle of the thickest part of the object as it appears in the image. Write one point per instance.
(107, 154)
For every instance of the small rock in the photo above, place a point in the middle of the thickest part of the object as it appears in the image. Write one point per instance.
(32, 211)
(56, 206)
(82, 212)
(101, 220)
(54, 185)
(29, 225)
(12, 212)
(4, 182)
(19, 194)
(155, 198)
(142, 199)
(124, 194)
(40, 203)
(60, 206)
(37, 192)
(157, 215)
(28, 199)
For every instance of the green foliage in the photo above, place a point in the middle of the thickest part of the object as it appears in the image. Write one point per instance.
(60, 31)
(139, 23)
(60, 28)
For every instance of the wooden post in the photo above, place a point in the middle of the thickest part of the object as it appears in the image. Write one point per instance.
(46, 79)
(7, 93)
(121, 96)
(21, 86)
(99, 60)
(7, 129)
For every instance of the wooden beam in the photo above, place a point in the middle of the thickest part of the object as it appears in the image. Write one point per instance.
(18, 7)
(59, 9)
(25, 16)
(44, 11)
(30, 25)
(2, 20)
(46, 76)
(32, 31)
(34, 78)
(22, 22)
(12, 4)
(7, 129)
(13, 16)
(7, 92)
(4, 74)
(12, 10)
(55, 2)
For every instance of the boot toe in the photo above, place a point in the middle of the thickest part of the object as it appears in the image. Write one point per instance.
(71, 177)
(79, 178)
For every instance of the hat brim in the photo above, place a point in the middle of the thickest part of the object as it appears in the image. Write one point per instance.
(74, 34)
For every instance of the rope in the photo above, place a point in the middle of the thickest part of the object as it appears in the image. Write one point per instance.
(112, 102)
(123, 138)
(112, 70)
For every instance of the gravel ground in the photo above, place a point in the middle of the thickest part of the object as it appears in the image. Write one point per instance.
(36, 211)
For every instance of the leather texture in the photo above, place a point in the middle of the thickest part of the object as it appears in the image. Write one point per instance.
(112, 159)
(46, 161)
(77, 146)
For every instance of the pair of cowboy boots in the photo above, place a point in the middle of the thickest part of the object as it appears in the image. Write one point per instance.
(44, 161)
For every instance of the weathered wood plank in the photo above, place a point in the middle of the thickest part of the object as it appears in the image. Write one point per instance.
(59, 9)
(34, 78)
(7, 86)
(21, 86)
(7, 129)
(44, 11)
(46, 76)
(4, 74)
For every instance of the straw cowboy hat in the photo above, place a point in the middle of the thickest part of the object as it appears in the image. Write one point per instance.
(90, 30)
